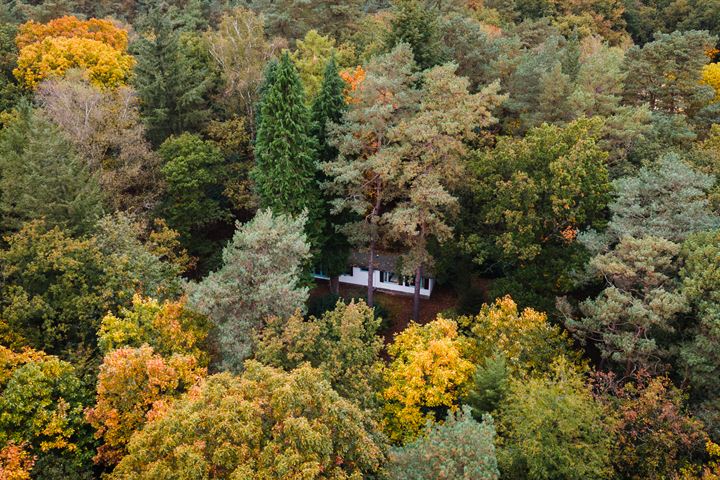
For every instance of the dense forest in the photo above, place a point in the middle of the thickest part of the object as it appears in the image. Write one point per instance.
(183, 184)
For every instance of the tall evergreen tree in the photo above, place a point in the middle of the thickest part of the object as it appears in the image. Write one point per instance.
(417, 25)
(173, 78)
(285, 150)
(328, 109)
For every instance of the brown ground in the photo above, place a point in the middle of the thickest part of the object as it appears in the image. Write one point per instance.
(399, 306)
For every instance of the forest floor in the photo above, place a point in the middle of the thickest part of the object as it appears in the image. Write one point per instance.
(398, 306)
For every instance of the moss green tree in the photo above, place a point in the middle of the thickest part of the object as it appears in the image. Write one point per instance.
(343, 343)
(266, 423)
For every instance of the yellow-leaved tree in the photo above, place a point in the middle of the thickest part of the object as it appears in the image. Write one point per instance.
(711, 77)
(426, 376)
(51, 49)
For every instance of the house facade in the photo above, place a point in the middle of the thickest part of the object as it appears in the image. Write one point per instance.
(385, 277)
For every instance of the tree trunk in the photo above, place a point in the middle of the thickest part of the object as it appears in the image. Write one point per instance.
(335, 285)
(371, 273)
(416, 293)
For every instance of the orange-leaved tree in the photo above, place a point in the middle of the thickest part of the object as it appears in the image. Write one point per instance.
(51, 49)
(72, 27)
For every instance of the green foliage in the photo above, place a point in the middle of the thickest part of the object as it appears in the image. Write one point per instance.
(700, 355)
(194, 173)
(260, 277)
(264, 424)
(42, 176)
(293, 18)
(459, 449)
(416, 25)
(667, 200)
(489, 385)
(311, 56)
(677, 59)
(173, 78)
(533, 190)
(637, 308)
(41, 403)
(553, 428)
(54, 288)
(342, 343)
(285, 151)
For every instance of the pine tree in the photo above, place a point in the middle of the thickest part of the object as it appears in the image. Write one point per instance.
(418, 26)
(328, 108)
(285, 151)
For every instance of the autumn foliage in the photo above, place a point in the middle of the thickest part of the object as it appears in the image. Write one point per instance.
(71, 27)
(48, 50)
(136, 385)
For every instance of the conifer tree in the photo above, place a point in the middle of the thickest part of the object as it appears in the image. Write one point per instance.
(285, 151)
(173, 79)
(328, 109)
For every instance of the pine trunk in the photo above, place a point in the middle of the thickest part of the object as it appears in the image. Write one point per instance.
(371, 273)
(335, 285)
(416, 293)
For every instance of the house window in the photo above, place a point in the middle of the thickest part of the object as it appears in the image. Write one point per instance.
(363, 269)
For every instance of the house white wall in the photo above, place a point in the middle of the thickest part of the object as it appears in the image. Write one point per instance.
(360, 277)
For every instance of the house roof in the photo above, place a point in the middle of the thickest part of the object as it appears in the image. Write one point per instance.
(385, 261)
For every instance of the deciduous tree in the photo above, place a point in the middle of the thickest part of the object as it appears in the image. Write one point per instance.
(427, 374)
(342, 343)
(136, 385)
(266, 423)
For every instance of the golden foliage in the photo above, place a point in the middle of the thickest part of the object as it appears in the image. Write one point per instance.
(353, 77)
(711, 77)
(106, 67)
(428, 371)
(15, 462)
(71, 27)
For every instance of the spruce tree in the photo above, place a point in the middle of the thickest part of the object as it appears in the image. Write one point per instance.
(285, 150)
(328, 109)
(173, 78)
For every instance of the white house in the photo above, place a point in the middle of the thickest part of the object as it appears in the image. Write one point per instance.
(385, 277)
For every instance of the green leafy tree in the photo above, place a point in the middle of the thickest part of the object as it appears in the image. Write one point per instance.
(41, 405)
(194, 173)
(144, 259)
(173, 78)
(458, 449)
(260, 278)
(362, 177)
(9, 90)
(285, 150)
(42, 176)
(54, 302)
(418, 26)
(342, 343)
(311, 56)
(639, 305)
(553, 428)
(266, 423)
